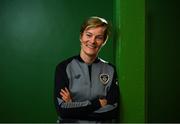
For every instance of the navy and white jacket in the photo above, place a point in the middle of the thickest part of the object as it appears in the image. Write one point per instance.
(87, 83)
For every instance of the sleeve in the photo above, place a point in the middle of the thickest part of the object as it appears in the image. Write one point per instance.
(70, 109)
(111, 110)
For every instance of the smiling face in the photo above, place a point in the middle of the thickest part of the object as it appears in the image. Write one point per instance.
(92, 39)
(94, 33)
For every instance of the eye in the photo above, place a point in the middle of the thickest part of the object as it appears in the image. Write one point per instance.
(88, 34)
(100, 37)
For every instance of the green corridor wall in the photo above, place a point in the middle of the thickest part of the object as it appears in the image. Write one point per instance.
(162, 52)
(130, 58)
(35, 35)
(147, 57)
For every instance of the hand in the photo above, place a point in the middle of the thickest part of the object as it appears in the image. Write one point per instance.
(103, 102)
(65, 94)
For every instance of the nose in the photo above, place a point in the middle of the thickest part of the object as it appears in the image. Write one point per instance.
(93, 40)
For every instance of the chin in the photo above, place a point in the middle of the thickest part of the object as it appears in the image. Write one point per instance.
(91, 53)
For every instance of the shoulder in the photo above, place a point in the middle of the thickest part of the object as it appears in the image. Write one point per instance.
(64, 63)
(106, 63)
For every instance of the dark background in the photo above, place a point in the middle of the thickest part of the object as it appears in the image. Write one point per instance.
(35, 35)
(162, 61)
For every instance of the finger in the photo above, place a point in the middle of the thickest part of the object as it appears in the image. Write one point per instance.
(64, 92)
(63, 98)
(66, 99)
(67, 91)
(103, 102)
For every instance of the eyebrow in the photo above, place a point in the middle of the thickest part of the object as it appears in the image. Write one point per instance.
(92, 33)
(88, 32)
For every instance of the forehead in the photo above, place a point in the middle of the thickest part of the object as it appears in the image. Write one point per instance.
(98, 30)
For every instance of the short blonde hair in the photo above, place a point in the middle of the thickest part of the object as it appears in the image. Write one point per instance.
(93, 22)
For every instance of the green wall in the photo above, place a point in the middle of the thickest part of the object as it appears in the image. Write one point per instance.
(163, 104)
(35, 35)
(130, 58)
(147, 57)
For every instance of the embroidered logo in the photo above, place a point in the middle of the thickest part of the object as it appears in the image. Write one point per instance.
(104, 78)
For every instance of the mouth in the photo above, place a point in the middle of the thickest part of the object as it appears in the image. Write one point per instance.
(91, 46)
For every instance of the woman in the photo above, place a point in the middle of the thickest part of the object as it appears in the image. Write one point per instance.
(86, 87)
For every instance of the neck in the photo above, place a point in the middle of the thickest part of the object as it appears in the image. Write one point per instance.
(87, 58)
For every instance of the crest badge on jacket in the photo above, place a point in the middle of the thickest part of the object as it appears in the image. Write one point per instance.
(104, 78)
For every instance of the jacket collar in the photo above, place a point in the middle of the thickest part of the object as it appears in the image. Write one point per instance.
(81, 60)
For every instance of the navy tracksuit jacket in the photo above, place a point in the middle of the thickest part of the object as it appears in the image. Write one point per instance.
(87, 84)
